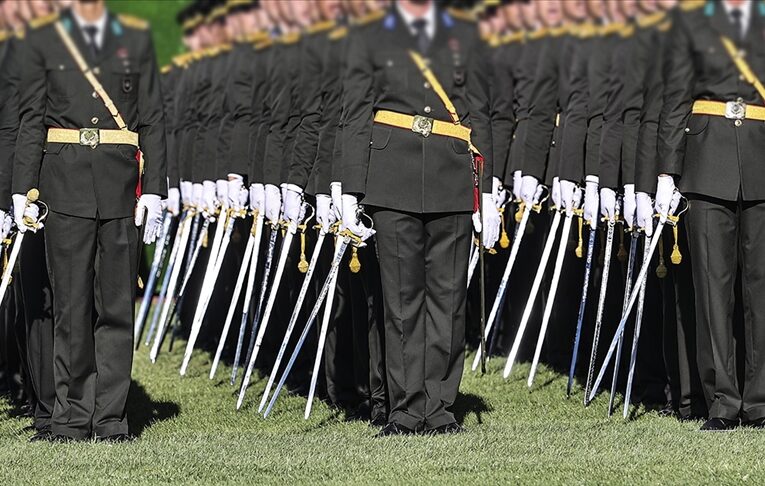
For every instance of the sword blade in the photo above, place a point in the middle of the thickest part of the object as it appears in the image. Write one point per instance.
(625, 316)
(582, 308)
(6, 280)
(500, 298)
(636, 335)
(551, 295)
(293, 318)
(627, 290)
(311, 319)
(248, 295)
(473, 263)
(160, 251)
(532, 296)
(232, 306)
(266, 315)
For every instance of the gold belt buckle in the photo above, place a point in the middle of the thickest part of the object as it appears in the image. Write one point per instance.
(735, 110)
(422, 125)
(90, 137)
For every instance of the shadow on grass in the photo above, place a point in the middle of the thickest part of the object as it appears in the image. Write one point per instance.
(143, 411)
(467, 404)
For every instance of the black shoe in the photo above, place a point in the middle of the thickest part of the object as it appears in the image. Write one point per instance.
(378, 421)
(62, 439)
(719, 425)
(44, 435)
(394, 429)
(668, 410)
(448, 429)
(755, 424)
(116, 438)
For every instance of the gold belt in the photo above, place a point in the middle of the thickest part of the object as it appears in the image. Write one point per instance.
(92, 137)
(423, 125)
(733, 110)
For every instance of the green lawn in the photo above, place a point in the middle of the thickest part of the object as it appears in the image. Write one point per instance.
(190, 433)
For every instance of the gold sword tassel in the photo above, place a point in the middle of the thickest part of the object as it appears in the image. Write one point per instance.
(303, 264)
(580, 249)
(676, 258)
(504, 240)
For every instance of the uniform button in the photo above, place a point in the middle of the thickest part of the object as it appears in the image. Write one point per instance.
(739, 100)
(741, 77)
(737, 123)
(427, 109)
(94, 95)
(426, 85)
(687, 130)
(94, 120)
(96, 70)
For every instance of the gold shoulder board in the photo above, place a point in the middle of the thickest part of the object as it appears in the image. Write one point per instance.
(611, 28)
(4, 35)
(338, 33)
(538, 34)
(463, 15)
(321, 27)
(370, 17)
(651, 20)
(257, 37)
(133, 22)
(166, 69)
(688, 5)
(512, 37)
(289, 38)
(43, 21)
(627, 31)
(665, 26)
(264, 44)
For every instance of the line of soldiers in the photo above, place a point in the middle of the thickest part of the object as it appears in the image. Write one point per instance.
(441, 121)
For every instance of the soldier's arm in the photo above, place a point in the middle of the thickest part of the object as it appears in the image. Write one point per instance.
(151, 123)
(609, 157)
(646, 168)
(9, 120)
(574, 136)
(275, 150)
(358, 107)
(241, 117)
(633, 100)
(477, 88)
(502, 116)
(223, 162)
(32, 101)
(168, 91)
(678, 98)
(542, 111)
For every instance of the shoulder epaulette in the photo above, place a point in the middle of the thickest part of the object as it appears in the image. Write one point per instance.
(225, 47)
(512, 37)
(20, 33)
(627, 31)
(166, 69)
(256, 36)
(181, 59)
(289, 38)
(338, 33)
(586, 30)
(464, 15)
(557, 32)
(651, 20)
(538, 34)
(43, 21)
(688, 5)
(321, 27)
(133, 22)
(370, 17)
(611, 28)
(197, 55)
(494, 40)
(665, 26)
(4, 35)
(264, 44)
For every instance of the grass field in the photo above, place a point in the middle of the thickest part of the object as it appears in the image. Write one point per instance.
(190, 434)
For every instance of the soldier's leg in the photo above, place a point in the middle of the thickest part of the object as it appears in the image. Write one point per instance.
(116, 265)
(401, 248)
(70, 245)
(752, 235)
(446, 257)
(712, 238)
(38, 306)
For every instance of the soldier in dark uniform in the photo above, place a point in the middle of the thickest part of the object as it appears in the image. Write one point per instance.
(87, 169)
(710, 143)
(422, 194)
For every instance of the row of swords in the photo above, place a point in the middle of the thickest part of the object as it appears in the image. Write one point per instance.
(634, 294)
(184, 246)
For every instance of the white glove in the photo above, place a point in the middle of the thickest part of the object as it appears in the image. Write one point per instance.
(591, 201)
(529, 186)
(629, 205)
(210, 198)
(187, 193)
(489, 227)
(6, 221)
(258, 198)
(151, 206)
(292, 202)
(221, 191)
(21, 210)
(174, 201)
(498, 192)
(273, 206)
(517, 176)
(336, 191)
(198, 195)
(608, 203)
(644, 212)
(567, 198)
(556, 196)
(325, 215)
(237, 194)
(351, 218)
(665, 190)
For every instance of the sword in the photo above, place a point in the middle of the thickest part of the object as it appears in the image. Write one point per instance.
(633, 298)
(474, 254)
(232, 306)
(320, 349)
(160, 251)
(262, 297)
(500, 298)
(582, 308)
(257, 235)
(627, 290)
(636, 337)
(339, 252)
(293, 318)
(533, 295)
(217, 255)
(551, 296)
(172, 283)
(601, 307)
